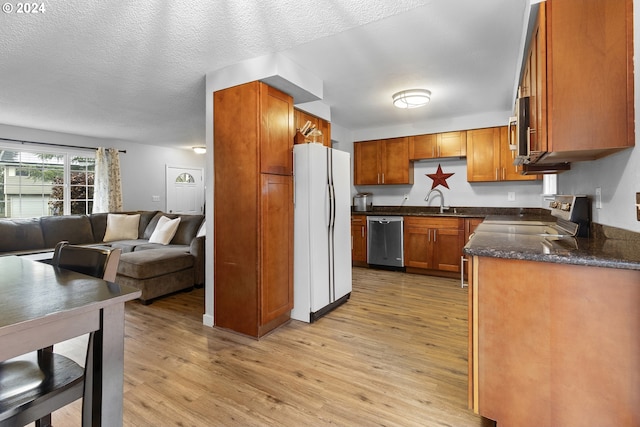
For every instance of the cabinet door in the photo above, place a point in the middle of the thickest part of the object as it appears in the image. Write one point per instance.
(366, 163)
(447, 249)
(417, 243)
(590, 77)
(422, 146)
(395, 165)
(359, 239)
(276, 131)
(452, 144)
(276, 257)
(301, 118)
(483, 155)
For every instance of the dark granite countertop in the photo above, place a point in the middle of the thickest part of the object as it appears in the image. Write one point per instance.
(607, 247)
(453, 211)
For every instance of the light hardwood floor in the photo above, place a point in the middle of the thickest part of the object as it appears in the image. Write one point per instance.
(394, 355)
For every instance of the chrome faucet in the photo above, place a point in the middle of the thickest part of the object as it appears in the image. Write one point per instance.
(442, 206)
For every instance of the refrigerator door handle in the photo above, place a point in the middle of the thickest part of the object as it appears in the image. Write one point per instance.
(332, 204)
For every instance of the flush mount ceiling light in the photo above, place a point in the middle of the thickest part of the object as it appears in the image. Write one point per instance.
(411, 98)
(200, 149)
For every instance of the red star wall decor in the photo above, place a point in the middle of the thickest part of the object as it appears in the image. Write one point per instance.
(439, 178)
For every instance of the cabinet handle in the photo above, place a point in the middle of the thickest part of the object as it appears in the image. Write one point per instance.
(383, 177)
(497, 174)
(435, 238)
(378, 181)
(428, 235)
(504, 174)
(462, 261)
(439, 154)
(362, 231)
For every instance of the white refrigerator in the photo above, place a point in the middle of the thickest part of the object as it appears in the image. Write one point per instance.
(322, 230)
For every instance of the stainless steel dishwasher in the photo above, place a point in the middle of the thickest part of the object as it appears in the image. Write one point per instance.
(385, 241)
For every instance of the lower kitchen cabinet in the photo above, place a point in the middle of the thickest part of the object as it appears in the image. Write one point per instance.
(433, 244)
(359, 240)
(554, 344)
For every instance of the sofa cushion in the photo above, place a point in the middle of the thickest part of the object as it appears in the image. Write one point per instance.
(127, 245)
(144, 246)
(99, 223)
(187, 230)
(154, 262)
(165, 230)
(75, 229)
(20, 235)
(121, 226)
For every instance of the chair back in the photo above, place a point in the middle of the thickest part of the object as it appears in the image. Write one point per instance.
(94, 261)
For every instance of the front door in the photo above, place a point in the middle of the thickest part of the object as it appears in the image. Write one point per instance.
(185, 190)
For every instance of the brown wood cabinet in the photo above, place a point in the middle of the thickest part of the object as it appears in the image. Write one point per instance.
(433, 243)
(554, 344)
(384, 161)
(489, 157)
(253, 208)
(581, 80)
(301, 117)
(359, 240)
(438, 145)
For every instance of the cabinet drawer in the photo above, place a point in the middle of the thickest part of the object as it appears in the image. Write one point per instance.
(433, 222)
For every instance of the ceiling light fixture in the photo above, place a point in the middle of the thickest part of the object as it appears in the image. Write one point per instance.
(411, 98)
(200, 149)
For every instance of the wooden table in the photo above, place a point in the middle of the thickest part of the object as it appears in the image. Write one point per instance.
(41, 305)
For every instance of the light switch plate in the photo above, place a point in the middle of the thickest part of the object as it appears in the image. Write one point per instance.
(638, 206)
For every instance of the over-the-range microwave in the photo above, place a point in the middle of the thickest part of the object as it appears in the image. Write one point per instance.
(520, 140)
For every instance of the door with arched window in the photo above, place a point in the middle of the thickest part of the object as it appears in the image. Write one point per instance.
(185, 190)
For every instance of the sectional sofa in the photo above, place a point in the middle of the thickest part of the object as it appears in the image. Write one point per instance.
(161, 253)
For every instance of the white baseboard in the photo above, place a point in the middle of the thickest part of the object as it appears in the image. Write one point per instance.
(207, 320)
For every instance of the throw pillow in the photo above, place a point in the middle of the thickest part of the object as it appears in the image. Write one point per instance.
(165, 230)
(121, 227)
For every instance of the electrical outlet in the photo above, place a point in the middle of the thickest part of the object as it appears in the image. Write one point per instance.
(155, 198)
(598, 198)
(511, 196)
(638, 206)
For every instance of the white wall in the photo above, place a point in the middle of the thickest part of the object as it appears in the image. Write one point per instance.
(142, 166)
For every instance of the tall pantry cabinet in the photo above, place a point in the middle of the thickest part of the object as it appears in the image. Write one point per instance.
(253, 132)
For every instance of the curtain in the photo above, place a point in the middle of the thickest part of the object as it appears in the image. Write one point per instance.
(107, 195)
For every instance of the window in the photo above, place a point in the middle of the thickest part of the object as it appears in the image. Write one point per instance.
(36, 183)
(185, 177)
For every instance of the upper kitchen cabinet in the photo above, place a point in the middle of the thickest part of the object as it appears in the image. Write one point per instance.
(579, 74)
(275, 109)
(489, 157)
(384, 161)
(301, 117)
(438, 145)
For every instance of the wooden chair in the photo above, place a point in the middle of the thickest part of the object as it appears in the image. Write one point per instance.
(34, 385)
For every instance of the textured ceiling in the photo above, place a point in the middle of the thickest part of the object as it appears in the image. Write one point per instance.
(135, 70)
